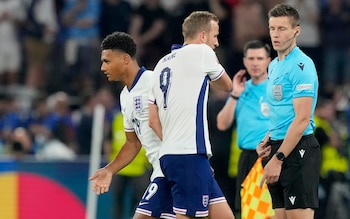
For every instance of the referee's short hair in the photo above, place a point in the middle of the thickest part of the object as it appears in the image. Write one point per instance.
(256, 44)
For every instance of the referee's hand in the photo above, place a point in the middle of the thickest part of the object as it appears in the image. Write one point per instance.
(263, 149)
(272, 171)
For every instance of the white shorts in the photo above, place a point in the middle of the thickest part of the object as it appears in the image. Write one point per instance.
(10, 56)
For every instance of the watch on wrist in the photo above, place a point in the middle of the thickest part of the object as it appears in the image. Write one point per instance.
(280, 156)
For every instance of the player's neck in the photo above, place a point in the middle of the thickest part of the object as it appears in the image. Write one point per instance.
(282, 54)
(131, 74)
(260, 78)
(192, 41)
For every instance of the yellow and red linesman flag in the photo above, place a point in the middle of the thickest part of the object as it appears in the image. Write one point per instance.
(256, 201)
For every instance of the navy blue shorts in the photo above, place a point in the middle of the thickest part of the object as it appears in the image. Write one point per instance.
(193, 185)
(157, 200)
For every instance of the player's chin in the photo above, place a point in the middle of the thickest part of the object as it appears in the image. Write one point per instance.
(255, 72)
(276, 46)
(109, 78)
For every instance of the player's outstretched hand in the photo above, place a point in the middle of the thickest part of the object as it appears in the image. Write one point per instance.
(102, 179)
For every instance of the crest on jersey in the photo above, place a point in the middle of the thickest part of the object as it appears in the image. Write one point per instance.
(277, 91)
(205, 200)
(138, 103)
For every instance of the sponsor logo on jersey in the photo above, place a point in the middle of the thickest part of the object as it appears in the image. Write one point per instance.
(301, 66)
(301, 87)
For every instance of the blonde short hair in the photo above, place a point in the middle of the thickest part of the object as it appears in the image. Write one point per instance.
(196, 22)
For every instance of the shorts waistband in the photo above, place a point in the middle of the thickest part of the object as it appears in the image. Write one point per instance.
(280, 141)
(247, 150)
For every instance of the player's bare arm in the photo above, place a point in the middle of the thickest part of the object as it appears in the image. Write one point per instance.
(223, 83)
(154, 121)
(102, 178)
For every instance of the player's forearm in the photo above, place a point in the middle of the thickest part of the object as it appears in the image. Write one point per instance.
(154, 121)
(125, 156)
(223, 83)
(226, 116)
(293, 135)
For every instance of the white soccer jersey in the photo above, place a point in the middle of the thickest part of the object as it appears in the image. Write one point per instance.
(180, 90)
(134, 106)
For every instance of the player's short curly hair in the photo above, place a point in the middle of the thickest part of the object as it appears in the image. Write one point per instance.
(120, 41)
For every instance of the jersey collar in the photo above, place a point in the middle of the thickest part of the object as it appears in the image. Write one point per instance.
(139, 73)
(177, 46)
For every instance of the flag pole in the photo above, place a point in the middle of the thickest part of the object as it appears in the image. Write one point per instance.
(95, 158)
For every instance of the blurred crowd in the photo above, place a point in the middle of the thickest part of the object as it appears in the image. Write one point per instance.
(50, 78)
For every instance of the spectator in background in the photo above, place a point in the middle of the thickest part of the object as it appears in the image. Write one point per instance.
(55, 128)
(115, 16)
(110, 101)
(10, 48)
(331, 135)
(84, 122)
(80, 19)
(10, 118)
(39, 30)
(249, 23)
(83, 117)
(60, 121)
(3, 132)
(37, 123)
(20, 143)
(148, 25)
(335, 27)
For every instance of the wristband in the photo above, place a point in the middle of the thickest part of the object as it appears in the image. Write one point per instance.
(234, 97)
